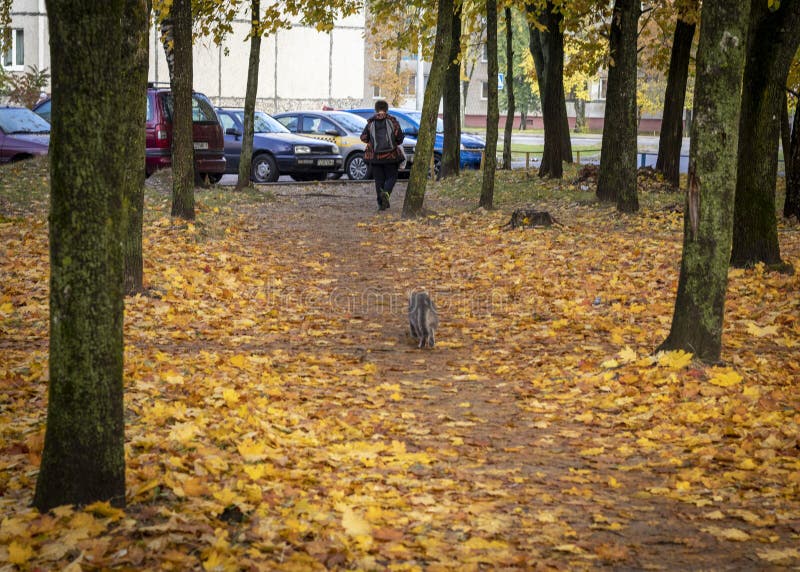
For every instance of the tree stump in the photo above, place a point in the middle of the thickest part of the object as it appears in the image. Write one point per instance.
(529, 218)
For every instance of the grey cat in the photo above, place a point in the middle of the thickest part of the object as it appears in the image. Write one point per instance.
(423, 318)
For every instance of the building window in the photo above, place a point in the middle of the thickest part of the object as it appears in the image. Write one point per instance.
(411, 85)
(485, 90)
(484, 53)
(14, 54)
(376, 92)
(602, 88)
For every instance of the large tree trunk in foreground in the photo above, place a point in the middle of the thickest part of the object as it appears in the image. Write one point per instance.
(137, 46)
(617, 180)
(246, 156)
(669, 143)
(791, 206)
(84, 457)
(417, 181)
(182, 140)
(699, 307)
(510, 108)
(451, 153)
(493, 112)
(773, 39)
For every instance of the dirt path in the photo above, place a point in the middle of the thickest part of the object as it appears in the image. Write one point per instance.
(530, 486)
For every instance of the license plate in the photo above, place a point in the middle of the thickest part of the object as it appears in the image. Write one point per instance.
(325, 162)
(201, 144)
(305, 162)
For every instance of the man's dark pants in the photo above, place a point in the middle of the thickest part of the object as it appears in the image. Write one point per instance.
(385, 175)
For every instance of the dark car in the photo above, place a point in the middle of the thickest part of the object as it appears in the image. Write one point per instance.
(344, 129)
(471, 147)
(209, 143)
(23, 134)
(276, 151)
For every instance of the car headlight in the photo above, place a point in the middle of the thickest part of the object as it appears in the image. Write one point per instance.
(302, 149)
(335, 149)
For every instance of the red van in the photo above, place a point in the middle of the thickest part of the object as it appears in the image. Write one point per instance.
(209, 142)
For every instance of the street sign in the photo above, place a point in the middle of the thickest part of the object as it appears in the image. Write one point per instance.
(500, 81)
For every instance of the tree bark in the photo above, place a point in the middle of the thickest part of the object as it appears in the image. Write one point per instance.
(451, 153)
(84, 458)
(417, 181)
(669, 143)
(772, 43)
(511, 104)
(786, 137)
(708, 223)
(493, 111)
(138, 47)
(251, 92)
(552, 159)
(617, 179)
(580, 115)
(791, 206)
(183, 147)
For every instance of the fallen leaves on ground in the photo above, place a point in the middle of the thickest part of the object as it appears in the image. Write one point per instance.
(277, 415)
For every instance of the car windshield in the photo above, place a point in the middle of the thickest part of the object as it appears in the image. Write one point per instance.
(202, 110)
(263, 123)
(19, 120)
(416, 116)
(351, 122)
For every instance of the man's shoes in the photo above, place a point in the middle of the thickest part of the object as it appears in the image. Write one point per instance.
(384, 200)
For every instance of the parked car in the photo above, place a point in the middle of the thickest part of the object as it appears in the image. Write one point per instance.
(23, 134)
(471, 147)
(344, 129)
(209, 143)
(276, 151)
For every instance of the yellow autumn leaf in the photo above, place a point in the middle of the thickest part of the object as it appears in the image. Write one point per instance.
(355, 525)
(627, 355)
(759, 332)
(592, 451)
(184, 432)
(238, 361)
(231, 396)
(610, 364)
(676, 359)
(105, 509)
(748, 465)
(19, 554)
(733, 534)
(779, 556)
(725, 378)
(252, 451)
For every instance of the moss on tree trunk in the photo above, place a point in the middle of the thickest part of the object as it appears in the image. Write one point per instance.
(183, 146)
(669, 143)
(791, 206)
(492, 112)
(617, 179)
(415, 192)
(708, 225)
(510, 102)
(84, 458)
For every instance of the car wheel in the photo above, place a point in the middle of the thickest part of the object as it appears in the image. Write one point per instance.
(264, 169)
(437, 165)
(357, 168)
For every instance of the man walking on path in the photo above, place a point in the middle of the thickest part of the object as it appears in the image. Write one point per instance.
(384, 151)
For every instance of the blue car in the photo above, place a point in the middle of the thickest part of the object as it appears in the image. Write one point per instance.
(409, 119)
(276, 151)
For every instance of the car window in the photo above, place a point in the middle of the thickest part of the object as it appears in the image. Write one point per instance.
(318, 125)
(352, 123)
(417, 116)
(264, 123)
(19, 120)
(44, 110)
(149, 109)
(406, 125)
(290, 122)
(227, 121)
(202, 110)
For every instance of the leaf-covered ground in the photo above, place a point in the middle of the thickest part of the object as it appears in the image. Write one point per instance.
(280, 418)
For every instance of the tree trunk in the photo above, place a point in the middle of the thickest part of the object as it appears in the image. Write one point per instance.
(580, 115)
(509, 127)
(786, 137)
(168, 42)
(246, 156)
(182, 140)
(493, 111)
(84, 457)
(138, 47)
(547, 47)
(708, 223)
(617, 179)
(669, 143)
(552, 165)
(791, 206)
(451, 153)
(415, 192)
(772, 42)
